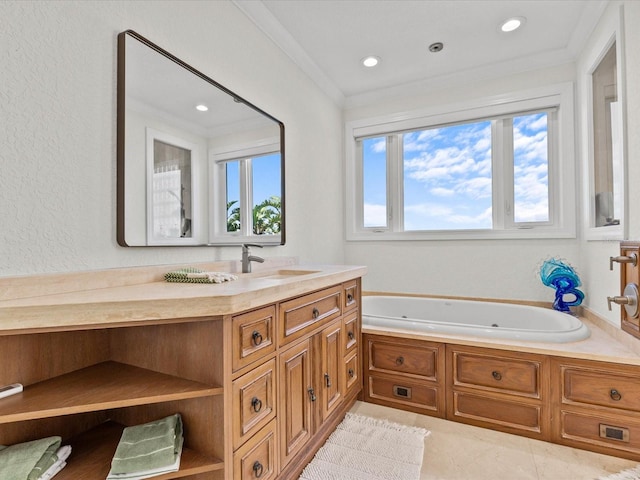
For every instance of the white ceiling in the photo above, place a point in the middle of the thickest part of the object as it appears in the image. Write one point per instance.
(327, 39)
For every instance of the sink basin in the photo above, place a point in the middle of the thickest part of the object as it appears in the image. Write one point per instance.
(286, 274)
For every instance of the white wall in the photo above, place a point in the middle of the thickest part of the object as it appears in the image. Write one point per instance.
(58, 124)
(488, 269)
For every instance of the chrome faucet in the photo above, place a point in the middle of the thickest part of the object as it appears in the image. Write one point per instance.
(247, 258)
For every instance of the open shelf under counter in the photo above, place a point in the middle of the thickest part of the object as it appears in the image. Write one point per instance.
(91, 455)
(103, 386)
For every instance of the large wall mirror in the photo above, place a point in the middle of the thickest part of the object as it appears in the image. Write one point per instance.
(197, 164)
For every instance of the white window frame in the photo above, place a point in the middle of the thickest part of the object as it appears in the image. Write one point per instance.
(217, 161)
(562, 176)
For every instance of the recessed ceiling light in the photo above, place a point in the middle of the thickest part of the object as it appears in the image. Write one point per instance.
(370, 61)
(202, 108)
(436, 47)
(513, 23)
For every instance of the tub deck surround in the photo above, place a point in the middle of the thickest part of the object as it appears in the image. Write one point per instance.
(129, 296)
(606, 343)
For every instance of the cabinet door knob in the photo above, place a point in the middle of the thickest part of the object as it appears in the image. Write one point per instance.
(496, 375)
(257, 469)
(399, 360)
(351, 373)
(315, 312)
(349, 297)
(615, 395)
(256, 403)
(312, 394)
(327, 380)
(351, 335)
(256, 336)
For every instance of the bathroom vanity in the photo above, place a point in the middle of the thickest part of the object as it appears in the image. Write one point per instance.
(261, 369)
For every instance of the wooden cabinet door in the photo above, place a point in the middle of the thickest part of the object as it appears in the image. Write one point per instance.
(297, 395)
(332, 371)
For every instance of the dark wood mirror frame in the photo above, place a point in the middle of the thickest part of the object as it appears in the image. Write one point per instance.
(121, 146)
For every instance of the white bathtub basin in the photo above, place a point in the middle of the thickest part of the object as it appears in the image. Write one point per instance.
(466, 317)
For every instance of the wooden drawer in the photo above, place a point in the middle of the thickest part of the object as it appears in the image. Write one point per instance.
(351, 296)
(404, 392)
(301, 315)
(257, 458)
(351, 331)
(497, 411)
(593, 387)
(255, 395)
(507, 374)
(352, 371)
(253, 336)
(611, 432)
(397, 356)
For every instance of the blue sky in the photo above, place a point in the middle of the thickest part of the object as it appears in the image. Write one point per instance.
(266, 178)
(447, 176)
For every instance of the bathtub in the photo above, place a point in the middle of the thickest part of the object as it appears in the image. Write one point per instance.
(466, 317)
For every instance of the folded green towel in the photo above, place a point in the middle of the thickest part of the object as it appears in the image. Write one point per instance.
(193, 275)
(28, 460)
(150, 446)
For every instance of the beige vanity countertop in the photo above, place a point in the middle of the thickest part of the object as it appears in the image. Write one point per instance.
(118, 305)
(606, 343)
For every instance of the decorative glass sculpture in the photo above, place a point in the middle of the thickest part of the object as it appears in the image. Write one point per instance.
(557, 274)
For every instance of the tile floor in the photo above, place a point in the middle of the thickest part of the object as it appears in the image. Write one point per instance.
(455, 451)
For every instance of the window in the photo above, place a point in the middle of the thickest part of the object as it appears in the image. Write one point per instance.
(496, 169)
(248, 210)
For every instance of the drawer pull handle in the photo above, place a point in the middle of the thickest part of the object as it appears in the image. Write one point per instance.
(327, 380)
(256, 336)
(351, 373)
(257, 469)
(315, 313)
(496, 375)
(351, 335)
(615, 395)
(349, 297)
(312, 394)
(256, 403)
(399, 360)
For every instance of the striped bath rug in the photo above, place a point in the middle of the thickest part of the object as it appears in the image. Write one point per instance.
(365, 448)
(631, 474)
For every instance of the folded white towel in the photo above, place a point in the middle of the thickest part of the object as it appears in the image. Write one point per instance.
(146, 473)
(62, 454)
(213, 277)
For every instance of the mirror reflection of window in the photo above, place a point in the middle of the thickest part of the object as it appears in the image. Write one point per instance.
(606, 142)
(258, 180)
(233, 195)
(267, 205)
(172, 212)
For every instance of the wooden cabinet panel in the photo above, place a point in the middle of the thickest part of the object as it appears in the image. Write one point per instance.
(258, 457)
(610, 432)
(296, 396)
(332, 370)
(300, 315)
(351, 331)
(512, 414)
(254, 395)
(601, 388)
(253, 336)
(504, 373)
(351, 295)
(352, 372)
(403, 357)
(405, 392)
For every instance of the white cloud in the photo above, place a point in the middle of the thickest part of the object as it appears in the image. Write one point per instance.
(375, 215)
